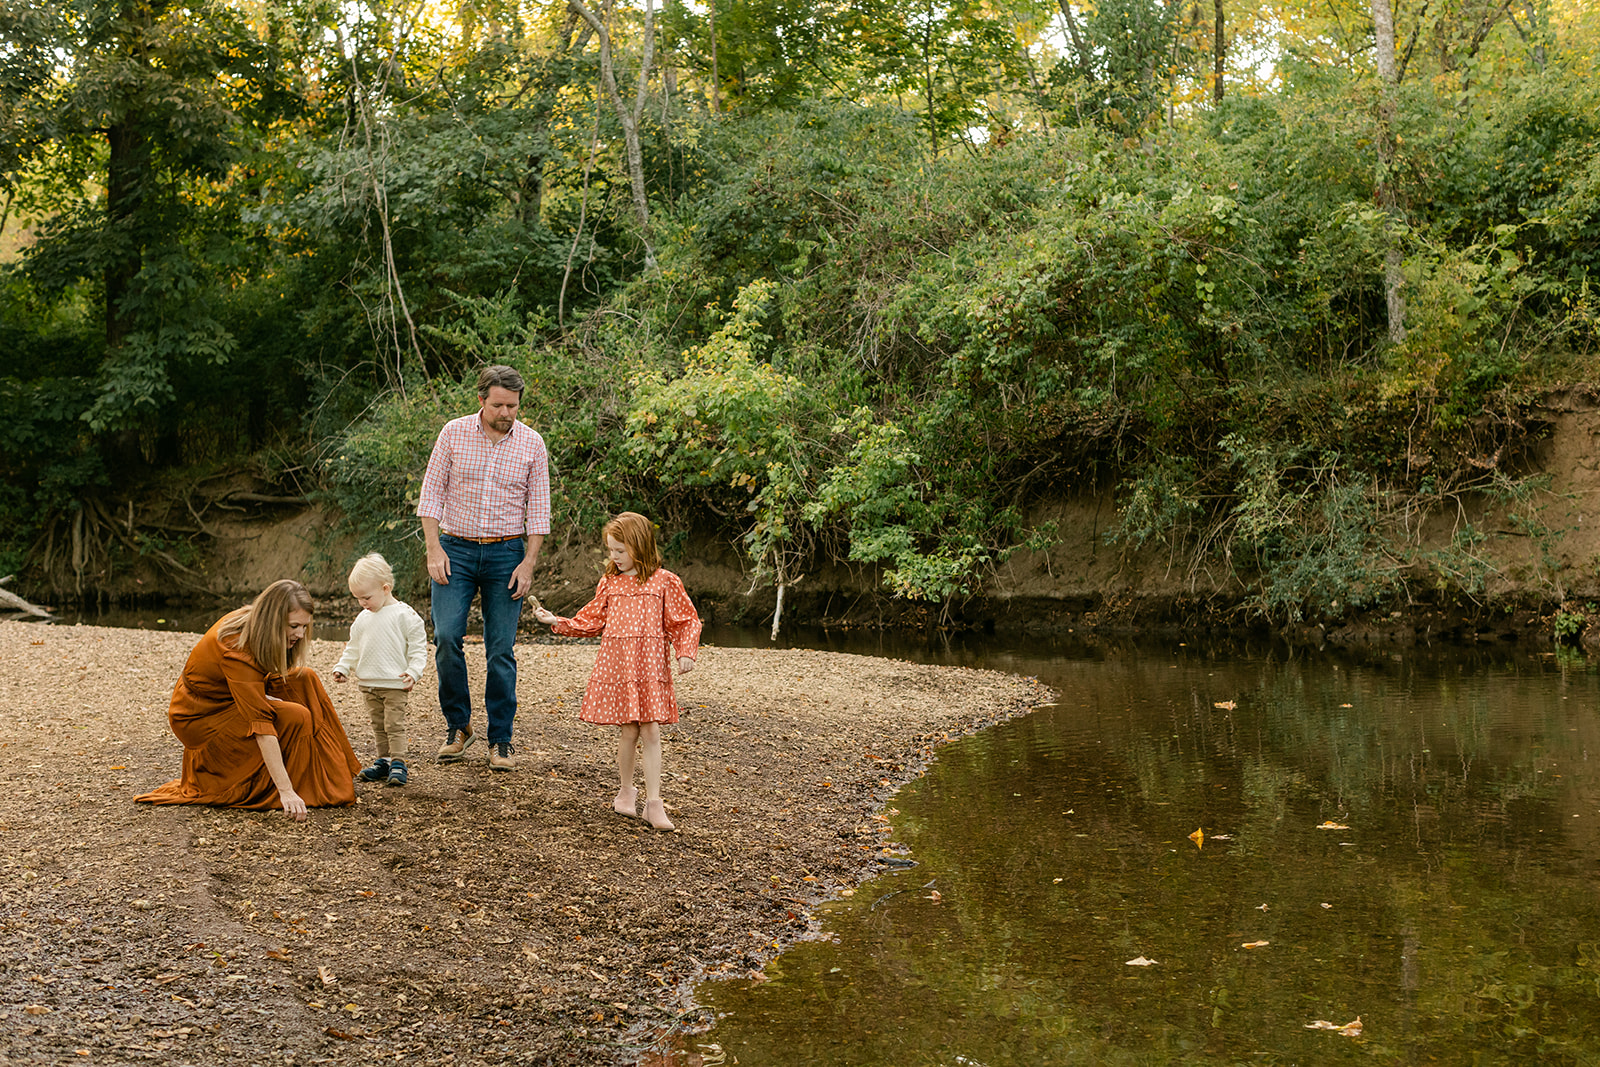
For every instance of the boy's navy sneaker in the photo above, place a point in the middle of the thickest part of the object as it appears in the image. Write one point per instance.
(378, 772)
(397, 772)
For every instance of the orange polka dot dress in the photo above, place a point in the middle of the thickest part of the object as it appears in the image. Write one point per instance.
(643, 626)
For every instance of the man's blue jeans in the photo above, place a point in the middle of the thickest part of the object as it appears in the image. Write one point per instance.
(478, 569)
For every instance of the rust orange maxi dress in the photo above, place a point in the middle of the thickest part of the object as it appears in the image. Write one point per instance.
(639, 624)
(219, 706)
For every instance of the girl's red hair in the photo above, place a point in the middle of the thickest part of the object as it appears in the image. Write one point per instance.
(638, 536)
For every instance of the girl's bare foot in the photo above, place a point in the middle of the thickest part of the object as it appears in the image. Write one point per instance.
(627, 802)
(655, 813)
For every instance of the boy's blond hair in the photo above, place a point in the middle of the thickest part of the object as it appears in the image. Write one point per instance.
(370, 570)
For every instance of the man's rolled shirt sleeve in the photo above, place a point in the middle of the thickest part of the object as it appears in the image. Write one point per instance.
(435, 480)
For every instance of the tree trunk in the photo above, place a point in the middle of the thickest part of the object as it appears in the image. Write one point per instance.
(1385, 193)
(126, 165)
(1218, 53)
(629, 116)
(1085, 56)
(530, 191)
(127, 174)
(711, 14)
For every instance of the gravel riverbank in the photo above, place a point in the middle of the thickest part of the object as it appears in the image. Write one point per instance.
(469, 918)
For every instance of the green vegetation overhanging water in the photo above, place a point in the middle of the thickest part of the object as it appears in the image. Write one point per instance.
(1408, 841)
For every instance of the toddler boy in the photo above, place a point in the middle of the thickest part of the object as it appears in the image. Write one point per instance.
(387, 653)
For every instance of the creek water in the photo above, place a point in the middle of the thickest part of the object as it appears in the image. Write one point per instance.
(1408, 839)
(1411, 840)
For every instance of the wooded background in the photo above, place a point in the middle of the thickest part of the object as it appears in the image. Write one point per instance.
(862, 281)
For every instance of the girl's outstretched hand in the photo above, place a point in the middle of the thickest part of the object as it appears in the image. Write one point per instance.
(685, 664)
(547, 617)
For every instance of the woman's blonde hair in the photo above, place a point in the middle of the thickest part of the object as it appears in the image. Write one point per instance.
(371, 568)
(638, 535)
(262, 627)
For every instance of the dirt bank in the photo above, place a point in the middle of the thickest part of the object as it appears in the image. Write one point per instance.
(1500, 562)
(468, 918)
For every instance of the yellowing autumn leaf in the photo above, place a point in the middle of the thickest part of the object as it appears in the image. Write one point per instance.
(1199, 837)
(1331, 825)
(1349, 1029)
(1255, 944)
(1225, 705)
(1140, 961)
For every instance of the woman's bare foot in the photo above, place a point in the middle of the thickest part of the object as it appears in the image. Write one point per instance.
(655, 813)
(627, 802)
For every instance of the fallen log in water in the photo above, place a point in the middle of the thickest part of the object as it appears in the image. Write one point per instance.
(12, 602)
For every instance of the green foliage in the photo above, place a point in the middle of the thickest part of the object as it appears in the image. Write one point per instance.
(1568, 626)
(911, 281)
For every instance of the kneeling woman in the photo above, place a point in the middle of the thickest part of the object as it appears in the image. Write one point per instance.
(257, 727)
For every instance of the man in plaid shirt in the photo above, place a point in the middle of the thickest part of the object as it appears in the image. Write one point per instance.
(485, 511)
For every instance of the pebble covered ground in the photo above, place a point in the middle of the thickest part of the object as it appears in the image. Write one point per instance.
(471, 917)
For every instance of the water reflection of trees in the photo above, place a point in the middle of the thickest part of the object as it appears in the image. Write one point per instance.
(1059, 848)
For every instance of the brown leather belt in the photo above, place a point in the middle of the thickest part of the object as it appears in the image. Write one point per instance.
(485, 540)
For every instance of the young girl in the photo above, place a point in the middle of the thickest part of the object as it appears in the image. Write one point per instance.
(644, 617)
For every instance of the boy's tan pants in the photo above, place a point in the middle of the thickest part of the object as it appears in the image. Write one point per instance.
(388, 710)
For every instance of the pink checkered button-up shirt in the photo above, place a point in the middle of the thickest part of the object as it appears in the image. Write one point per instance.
(479, 488)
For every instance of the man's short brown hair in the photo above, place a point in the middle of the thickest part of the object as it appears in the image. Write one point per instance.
(499, 375)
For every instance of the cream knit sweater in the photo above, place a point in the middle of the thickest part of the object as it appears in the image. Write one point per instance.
(385, 644)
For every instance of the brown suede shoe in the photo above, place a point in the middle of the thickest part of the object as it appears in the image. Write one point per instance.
(455, 745)
(500, 756)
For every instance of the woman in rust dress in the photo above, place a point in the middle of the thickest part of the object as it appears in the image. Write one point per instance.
(257, 727)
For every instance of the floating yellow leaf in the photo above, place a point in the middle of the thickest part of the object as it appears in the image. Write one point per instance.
(1349, 1029)
(1225, 705)
(1331, 825)
(1199, 837)
(1255, 944)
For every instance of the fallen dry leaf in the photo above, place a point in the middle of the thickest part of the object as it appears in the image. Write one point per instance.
(1225, 705)
(1199, 838)
(1140, 961)
(1349, 1029)
(1255, 944)
(1331, 825)
(326, 975)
